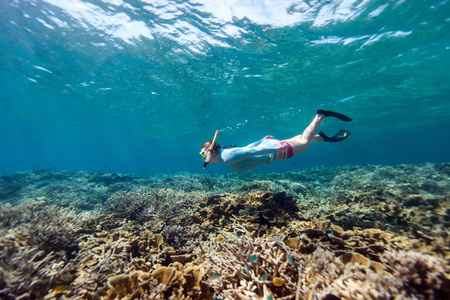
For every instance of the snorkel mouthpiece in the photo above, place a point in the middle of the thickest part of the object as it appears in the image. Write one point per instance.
(208, 157)
(208, 150)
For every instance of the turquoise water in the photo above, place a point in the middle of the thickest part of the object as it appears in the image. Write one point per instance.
(139, 86)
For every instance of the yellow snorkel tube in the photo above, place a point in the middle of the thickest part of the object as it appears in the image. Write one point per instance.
(207, 156)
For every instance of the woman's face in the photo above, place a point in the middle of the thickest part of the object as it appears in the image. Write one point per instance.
(206, 154)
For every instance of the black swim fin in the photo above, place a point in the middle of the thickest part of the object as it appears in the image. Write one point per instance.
(328, 113)
(340, 136)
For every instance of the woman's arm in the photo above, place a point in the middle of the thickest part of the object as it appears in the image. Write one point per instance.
(235, 155)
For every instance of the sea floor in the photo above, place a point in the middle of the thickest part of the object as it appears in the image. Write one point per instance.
(353, 232)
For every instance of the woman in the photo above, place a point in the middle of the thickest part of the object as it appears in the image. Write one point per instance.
(268, 149)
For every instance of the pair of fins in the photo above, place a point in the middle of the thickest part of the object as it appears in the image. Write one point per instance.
(342, 134)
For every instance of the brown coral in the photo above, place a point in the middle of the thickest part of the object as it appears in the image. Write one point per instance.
(350, 234)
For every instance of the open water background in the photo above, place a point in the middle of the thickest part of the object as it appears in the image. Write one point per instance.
(139, 86)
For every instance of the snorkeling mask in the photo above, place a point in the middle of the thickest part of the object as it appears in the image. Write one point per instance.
(206, 154)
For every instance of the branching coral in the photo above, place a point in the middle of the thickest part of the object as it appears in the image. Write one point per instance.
(421, 274)
(247, 268)
(37, 243)
(147, 204)
(183, 239)
(243, 268)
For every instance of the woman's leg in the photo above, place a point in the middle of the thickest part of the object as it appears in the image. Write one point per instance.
(302, 142)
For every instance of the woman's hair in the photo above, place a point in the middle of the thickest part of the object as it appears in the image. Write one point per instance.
(208, 143)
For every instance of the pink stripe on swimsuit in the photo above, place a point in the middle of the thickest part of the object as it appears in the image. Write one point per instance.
(286, 153)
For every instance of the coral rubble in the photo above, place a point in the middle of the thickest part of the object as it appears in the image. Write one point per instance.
(360, 232)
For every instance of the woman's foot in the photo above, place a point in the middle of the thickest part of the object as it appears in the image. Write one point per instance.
(328, 113)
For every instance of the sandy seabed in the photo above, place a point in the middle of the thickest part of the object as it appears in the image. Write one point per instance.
(353, 232)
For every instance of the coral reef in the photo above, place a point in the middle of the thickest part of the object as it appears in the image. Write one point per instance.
(37, 245)
(148, 204)
(357, 232)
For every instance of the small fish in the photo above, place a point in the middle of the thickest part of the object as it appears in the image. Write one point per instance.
(22, 237)
(277, 281)
(269, 298)
(216, 276)
(291, 261)
(246, 268)
(60, 288)
(238, 235)
(263, 277)
(253, 258)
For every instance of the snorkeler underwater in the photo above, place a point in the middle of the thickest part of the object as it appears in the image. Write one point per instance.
(327, 175)
(268, 149)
